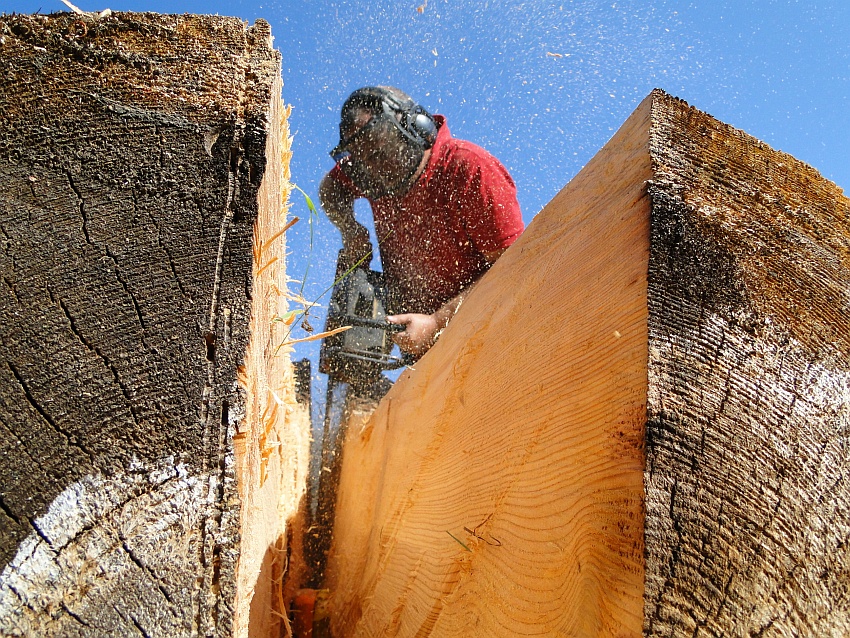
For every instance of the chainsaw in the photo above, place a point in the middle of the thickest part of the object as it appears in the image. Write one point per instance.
(360, 354)
(354, 361)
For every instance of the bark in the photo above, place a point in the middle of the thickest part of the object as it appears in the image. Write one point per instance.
(636, 423)
(132, 150)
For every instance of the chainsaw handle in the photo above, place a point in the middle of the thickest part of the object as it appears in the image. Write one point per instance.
(363, 322)
(384, 362)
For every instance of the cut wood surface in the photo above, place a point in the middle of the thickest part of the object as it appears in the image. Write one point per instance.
(136, 153)
(273, 441)
(636, 423)
(497, 490)
(748, 414)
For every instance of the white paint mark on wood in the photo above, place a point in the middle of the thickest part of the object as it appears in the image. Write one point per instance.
(147, 518)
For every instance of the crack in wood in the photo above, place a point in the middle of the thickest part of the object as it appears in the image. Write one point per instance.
(210, 558)
(774, 552)
(11, 286)
(8, 511)
(41, 534)
(168, 254)
(197, 617)
(125, 391)
(124, 284)
(171, 265)
(82, 208)
(716, 614)
(133, 620)
(71, 438)
(73, 615)
(232, 193)
(137, 561)
(126, 288)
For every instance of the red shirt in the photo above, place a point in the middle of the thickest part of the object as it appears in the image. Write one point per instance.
(433, 238)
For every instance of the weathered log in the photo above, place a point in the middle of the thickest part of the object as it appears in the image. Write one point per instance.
(142, 492)
(748, 411)
(636, 423)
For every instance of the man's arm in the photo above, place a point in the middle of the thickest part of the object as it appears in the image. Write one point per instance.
(422, 330)
(338, 204)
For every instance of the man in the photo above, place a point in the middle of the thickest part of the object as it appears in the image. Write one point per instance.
(445, 209)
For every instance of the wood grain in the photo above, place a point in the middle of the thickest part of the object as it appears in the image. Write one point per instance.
(497, 491)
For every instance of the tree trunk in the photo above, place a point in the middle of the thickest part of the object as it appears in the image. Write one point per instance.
(137, 151)
(636, 423)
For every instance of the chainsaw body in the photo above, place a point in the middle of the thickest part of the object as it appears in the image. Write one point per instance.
(354, 361)
(363, 351)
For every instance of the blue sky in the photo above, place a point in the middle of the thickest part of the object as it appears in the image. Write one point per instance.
(780, 70)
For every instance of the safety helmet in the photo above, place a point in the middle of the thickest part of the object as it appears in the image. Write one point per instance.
(393, 116)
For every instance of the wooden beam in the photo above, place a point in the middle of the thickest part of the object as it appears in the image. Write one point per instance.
(635, 424)
(749, 402)
(508, 474)
(141, 490)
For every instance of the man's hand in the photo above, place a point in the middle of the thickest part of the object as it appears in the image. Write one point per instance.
(422, 330)
(419, 335)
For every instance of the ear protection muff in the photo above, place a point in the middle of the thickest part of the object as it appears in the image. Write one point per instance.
(420, 125)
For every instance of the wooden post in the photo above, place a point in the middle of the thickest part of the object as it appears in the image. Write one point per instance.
(636, 423)
(143, 182)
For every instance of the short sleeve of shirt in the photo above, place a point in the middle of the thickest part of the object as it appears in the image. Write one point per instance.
(336, 174)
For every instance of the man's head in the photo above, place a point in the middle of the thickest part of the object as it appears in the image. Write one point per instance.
(383, 137)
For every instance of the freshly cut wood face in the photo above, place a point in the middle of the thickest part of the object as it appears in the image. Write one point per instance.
(272, 446)
(498, 489)
(637, 422)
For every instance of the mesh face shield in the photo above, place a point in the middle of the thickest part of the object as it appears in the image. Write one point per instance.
(379, 158)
